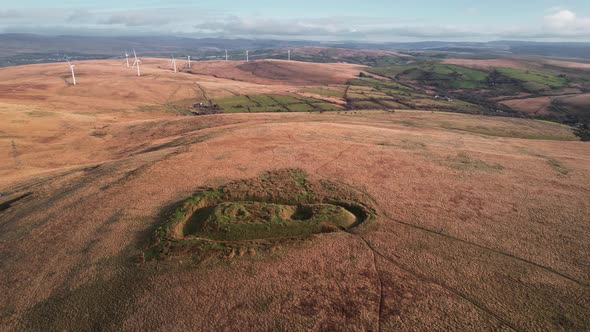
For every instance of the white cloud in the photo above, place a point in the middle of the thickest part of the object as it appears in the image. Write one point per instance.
(10, 14)
(351, 28)
(557, 24)
(153, 17)
(566, 22)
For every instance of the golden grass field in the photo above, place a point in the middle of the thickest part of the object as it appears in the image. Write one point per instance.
(482, 223)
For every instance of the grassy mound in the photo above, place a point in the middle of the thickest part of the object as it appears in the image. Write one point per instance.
(237, 221)
(280, 205)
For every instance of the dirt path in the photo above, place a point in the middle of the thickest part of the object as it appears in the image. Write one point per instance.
(203, 92)
(545, 268)
(381, 294)
(335, 158)
(441, 284)
(169, 98)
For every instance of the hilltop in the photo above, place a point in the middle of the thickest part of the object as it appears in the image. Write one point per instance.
(314, 199)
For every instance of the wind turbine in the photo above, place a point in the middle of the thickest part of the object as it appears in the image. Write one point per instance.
(136, 63)
(247, 56)
(72, 70)
(127, 58)
(289, 55)
(174, 63)
(226, 57)
(189, 60)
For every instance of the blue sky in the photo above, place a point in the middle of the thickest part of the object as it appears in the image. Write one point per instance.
(368, 20)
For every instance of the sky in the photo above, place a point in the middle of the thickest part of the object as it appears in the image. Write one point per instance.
(327, 20)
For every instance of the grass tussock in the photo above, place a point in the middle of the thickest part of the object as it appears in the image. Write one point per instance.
(558, 166)
(464, 162)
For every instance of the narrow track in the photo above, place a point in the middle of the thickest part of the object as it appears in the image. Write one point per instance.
(335, 158)
(15, 154)
(431, 280)
(203, 92)
(495, 251)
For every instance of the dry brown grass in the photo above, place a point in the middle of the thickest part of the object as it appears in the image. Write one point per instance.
(537, 105)
(568, 64)
(278, 72)
(475, 229)
(579, 101)
(104, 86)
(519, 63)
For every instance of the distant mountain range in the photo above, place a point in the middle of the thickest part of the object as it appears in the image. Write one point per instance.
(30, 48)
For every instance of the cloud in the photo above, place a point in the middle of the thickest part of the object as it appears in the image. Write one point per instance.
(326, 28)
(557, 24)
(269, 26)
(141, 18)
(566, 22)
(80, 16)
(10, 14)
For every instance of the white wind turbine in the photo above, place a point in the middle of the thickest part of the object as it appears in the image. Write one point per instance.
(189, 60)
(173, 62)
(226, 56)
(136, 63)
(127, 58)
(72, 70)
(289, 55)
(247, 56)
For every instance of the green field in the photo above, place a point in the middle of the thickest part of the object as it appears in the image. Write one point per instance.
(272, 103)
(392, 104)
(266, 109)
(458, 77)
(324, 92)
(235, 104)
(463, 72)
(286, 100)
(534, 81)
(392, 71)
(413, 85)
(327, 107)
(366, 105)
(302, 107)
(449, 76)
(376, 83)
(361, 93)
(263, 100)
(371, 93)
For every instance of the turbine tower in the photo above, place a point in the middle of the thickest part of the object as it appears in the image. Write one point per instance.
(127, 58)
(247, 56)
(72, 70)
(289, 55)
(226, 57)
(189, 60)
(174, 63)
(136, 63)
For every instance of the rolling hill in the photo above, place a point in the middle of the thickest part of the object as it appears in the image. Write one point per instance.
(120, 211)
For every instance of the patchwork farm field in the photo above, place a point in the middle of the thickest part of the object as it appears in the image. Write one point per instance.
(273, 103)
(289, 209)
